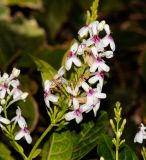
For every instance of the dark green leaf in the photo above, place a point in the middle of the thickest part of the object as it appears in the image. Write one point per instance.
(105, 146)
(127, 154)
(88, 138)
(59, 147)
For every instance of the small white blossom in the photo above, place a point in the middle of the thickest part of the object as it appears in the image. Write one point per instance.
(24, 132)
(99, 63)
(99, 76)
(72, 58)
(77, 111)
(108, 40)
(19, 119)
(47, 95)
(141, 135)
(92, 94)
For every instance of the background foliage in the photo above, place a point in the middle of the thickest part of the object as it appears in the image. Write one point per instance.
(45, 29)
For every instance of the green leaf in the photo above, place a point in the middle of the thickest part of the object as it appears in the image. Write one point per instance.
(88, 138)
(105, 147)
(5, 153)
(59, 147)
(127, 154)
(47, 71)
(36, 153)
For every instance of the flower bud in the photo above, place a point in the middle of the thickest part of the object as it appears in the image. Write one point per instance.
(101, 25)
(15, 72)
(3, 102)
(24, 95)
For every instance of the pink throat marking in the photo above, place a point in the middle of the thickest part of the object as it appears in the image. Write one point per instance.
(78, 112)
(25, 130)
(91, 92)
(98, 59)
(46, 94)
(71, 54)
(96, 39)
(101, 74)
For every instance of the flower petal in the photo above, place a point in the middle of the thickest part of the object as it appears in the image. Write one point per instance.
(85, 86)
(79, 118)
(19, 135)
(74, 47)
(28, 138)
(83, 31)
(76, 61)
(53, 98)
(75, 103)
(68, 63)
(93, 67)
(93, 79)
(4, 120)
(69, 116)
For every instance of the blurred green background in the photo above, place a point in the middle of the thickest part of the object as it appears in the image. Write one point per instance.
(45, 29)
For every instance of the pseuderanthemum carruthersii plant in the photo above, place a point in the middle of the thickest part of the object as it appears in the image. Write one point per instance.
(69, 94)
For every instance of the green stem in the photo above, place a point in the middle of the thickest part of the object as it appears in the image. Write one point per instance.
(40, 140)
(17, 148)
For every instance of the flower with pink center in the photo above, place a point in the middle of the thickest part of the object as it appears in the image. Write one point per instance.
(77, 111)
(96, 98)
(19, 119)
(72, 58)
(24, 132)
(99, 76)
(100, 64)
(48, 97)
(141, 135)
(92, 94)
(108, 40)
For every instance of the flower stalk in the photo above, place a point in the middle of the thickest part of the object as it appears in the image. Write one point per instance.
(118, 128)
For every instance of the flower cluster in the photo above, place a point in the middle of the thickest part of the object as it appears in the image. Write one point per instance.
(86, 63)
(140, 135)
(9, 88)
(10, 93)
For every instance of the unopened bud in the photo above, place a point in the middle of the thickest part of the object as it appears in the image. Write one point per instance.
(101, 158)
(24, 95)
(119, 134)
(15, 72)
(3, 102)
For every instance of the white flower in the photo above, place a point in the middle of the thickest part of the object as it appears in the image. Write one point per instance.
(77, 111)
(19, 119)
(99, 76)
(24, 132)
(93, 94)
(47, 95)
(108, 40)
(99, 63)
(72, 58)
(141, 135)
(59, 75)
